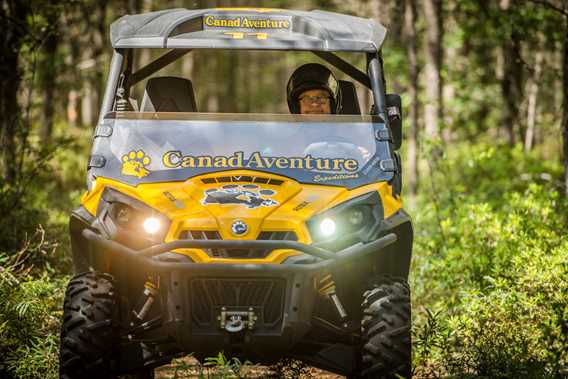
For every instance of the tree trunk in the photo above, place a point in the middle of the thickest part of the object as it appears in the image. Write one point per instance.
(565, 108)
(73, 108)
(49, 85)
(88, 113)
(247, 79)
(230, 95)
(94, 13)
(9, 114)
(396, 14)
(100, 42)
(133, 6)
(434, 110)
(13, 29)
(533, 89)
(510, 82)
(188, 71)
(412, 54)
(211, 89)
(48, 75)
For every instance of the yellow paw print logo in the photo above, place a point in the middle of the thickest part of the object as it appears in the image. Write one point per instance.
(134, 164)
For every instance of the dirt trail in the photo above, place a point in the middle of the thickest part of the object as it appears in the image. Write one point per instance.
(189, 367)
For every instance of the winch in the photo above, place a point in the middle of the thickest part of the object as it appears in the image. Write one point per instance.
(235, 321)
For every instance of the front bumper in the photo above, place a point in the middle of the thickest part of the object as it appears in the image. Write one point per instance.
(194, 295)
(327, 259)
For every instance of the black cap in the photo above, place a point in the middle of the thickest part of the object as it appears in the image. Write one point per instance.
(311, 76)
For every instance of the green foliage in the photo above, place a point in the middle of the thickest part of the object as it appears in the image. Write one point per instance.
(492, 269)
(18, 203)
(32, 259)
(37, 359)
(217, 367)
(221, 366)
(30, 314)
(225, 367)
(48, 186)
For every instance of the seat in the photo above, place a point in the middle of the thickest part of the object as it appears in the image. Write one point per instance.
(349, 101)
(168, 94)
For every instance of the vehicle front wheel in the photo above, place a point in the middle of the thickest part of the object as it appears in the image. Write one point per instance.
(385, 330)
(88, 334)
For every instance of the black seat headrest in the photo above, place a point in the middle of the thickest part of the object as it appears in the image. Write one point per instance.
(349, 101)
(168, 94)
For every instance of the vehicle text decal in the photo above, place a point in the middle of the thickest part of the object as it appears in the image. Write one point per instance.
(246, 22)
(248, 195)
(175, 159)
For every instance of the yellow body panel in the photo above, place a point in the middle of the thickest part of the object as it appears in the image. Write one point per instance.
(183, 203)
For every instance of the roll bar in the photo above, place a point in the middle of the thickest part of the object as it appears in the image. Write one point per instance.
(372, 80)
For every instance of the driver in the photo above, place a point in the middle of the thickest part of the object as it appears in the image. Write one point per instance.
(313, 89)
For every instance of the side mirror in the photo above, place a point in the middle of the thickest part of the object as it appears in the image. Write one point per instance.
(394, 111)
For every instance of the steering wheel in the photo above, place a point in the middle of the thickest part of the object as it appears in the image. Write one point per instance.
(336, 149)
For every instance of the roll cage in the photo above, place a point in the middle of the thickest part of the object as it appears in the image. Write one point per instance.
(181, 30)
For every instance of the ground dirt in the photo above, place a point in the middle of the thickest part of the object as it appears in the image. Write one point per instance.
(189, 367)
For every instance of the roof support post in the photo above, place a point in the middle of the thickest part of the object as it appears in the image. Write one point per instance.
(344, 66)
(112, 82)
(377, 86)
(156, 65)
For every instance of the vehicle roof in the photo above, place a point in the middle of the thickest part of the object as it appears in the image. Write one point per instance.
(248, 28)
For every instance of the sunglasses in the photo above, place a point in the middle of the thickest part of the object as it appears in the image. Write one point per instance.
(314, 99)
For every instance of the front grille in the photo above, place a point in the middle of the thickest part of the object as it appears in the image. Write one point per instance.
(264, 295)
(277, 236)
(242, 179)
(238, 253)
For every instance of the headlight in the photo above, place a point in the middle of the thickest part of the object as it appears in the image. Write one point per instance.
(356, 220)
(357, 216)
(123, 214)
(130, 221)
(327, 227)
(151, 225)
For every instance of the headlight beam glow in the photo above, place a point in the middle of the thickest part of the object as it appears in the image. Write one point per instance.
(151, 225)
(327, 227)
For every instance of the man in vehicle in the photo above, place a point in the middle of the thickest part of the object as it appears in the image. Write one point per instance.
(313, 89)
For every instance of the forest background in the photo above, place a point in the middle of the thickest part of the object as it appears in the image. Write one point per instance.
(485, 91)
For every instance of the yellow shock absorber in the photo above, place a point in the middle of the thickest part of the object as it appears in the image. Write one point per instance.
(150, 291)
(326, 287)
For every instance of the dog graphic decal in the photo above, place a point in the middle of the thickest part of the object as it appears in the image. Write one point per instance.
(248, 195)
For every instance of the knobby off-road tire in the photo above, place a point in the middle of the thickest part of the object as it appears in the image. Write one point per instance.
(88, 335)
(385, 330)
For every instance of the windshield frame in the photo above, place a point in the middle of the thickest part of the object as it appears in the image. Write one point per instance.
(374, 168)
(275, 117)
(121, 77)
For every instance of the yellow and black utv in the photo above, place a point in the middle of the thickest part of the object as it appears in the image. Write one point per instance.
(261, 235)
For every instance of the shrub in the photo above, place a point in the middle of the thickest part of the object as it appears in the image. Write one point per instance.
(30, 314)
(492, 269)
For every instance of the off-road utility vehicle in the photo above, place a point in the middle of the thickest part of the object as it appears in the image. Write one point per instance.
(261, 235)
